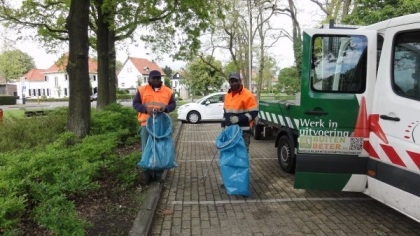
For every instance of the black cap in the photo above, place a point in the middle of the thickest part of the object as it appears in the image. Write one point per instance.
(234, 76)
(155, 73)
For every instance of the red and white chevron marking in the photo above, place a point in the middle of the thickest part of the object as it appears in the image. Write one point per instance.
(401, 151)
(387, 153)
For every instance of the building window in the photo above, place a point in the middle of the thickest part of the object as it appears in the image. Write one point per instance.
(123, 85)
(129, 69)
(48, 92)
(29, 91)
(66, 77)
(46, 78)
(43, 92)
(56, 81)
(65, 91)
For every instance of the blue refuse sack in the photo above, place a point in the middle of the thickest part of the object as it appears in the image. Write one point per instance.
(159, 153)
(234, 162)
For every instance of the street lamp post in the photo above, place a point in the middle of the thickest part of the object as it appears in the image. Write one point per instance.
(249, 46)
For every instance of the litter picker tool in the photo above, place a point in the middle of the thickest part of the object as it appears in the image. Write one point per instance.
(208, 168)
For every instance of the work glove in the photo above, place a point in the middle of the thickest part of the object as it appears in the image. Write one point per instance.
(151, 111)
(234, 119)
(161, 109)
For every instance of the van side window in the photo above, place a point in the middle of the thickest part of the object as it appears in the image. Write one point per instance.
(406, 68)
(339, 64)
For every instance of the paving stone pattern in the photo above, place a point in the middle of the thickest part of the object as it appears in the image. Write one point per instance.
(192, 206)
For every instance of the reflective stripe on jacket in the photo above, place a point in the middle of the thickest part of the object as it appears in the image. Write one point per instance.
(243, 105)
(153, 99)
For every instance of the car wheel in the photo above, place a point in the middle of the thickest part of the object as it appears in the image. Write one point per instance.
(193, 117)
(285, 154)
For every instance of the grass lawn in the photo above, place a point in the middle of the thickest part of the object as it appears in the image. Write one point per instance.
(18, 113)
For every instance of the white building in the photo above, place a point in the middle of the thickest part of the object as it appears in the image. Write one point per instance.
(52, 82)
(135, 72)
(7, 88)
(178, 87)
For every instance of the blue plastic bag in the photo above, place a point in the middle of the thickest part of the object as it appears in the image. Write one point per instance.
(159, 153)
(234, 162)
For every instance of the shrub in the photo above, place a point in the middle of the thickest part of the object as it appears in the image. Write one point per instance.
(7, 100)
(114, 117)
(125, 96)
(40, 185)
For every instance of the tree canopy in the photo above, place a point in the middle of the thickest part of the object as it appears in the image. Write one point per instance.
(170, 26)
(289, 81)
(14, 64)
(371, 11)
(202, 77)
(168, 71)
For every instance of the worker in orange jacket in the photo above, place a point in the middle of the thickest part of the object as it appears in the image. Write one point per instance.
(240, 107)
(152, 98)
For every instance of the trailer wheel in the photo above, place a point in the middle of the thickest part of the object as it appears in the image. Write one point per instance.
(257, 132)
(285, 155)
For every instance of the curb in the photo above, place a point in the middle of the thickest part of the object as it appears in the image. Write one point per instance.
(144, 218)
(23, 106)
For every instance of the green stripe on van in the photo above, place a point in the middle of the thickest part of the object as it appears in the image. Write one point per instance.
(321, 181)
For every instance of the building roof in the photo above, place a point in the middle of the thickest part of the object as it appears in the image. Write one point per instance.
(61, 64)
(58, 67)
(35, 75)
(180, 73)
(144, 65)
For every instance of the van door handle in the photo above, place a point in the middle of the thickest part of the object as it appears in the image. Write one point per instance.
(318, 113)
(385, 117)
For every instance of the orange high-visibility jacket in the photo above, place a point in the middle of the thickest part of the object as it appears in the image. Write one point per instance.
(243, 105)
(153, 99)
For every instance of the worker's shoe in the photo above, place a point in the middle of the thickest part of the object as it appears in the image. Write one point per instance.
(157, 174)
(145, 178)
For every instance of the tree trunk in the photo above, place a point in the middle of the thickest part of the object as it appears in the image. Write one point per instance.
(112, 67)
(346, 8)
(297, 37)
(249, 57)
(77, 68)
(103, 56)
(262, 54)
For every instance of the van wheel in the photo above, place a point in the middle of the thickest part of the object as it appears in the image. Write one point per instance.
(257, 132)
(193, 117)
(285, 155)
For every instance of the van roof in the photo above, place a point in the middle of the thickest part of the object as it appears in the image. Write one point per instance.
(401, 20)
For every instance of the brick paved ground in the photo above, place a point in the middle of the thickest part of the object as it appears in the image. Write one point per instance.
(189, 206)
